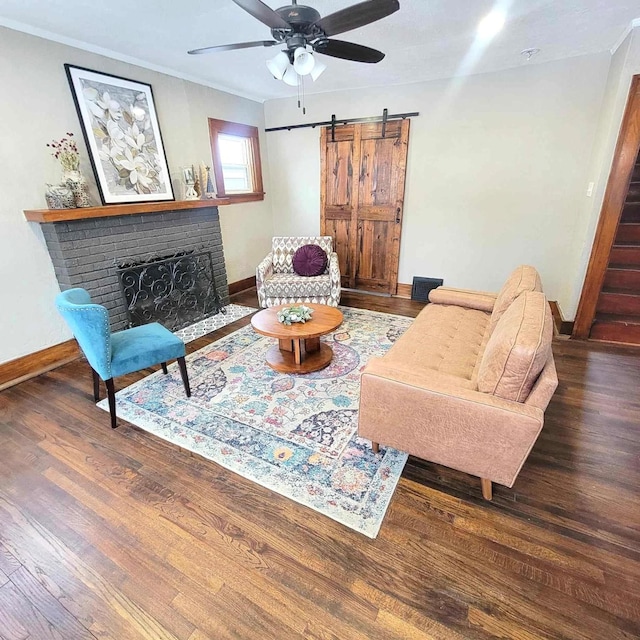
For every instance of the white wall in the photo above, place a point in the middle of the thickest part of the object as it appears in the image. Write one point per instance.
(36, 107)
(497, 171)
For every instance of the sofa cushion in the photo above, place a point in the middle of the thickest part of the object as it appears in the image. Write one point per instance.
(290, 285)
(310, 260)
(523, 278)
(518, 348)
(444, 338)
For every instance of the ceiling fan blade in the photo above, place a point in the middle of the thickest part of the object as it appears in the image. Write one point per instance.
(262, 12)
(357, 16)
(230, 47)
(348, 51)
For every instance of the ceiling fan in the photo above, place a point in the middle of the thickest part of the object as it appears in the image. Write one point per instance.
(299, 27)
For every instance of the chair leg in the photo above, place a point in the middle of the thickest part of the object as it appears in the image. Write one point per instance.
(164, 368)
(96, 385)
(185, 376)
(375, 447)
(487, 491)
(111, 394)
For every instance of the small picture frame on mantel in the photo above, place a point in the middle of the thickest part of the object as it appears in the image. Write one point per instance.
(188, 174)
(121, 129)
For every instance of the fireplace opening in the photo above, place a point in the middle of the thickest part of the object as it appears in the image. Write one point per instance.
(176, 290)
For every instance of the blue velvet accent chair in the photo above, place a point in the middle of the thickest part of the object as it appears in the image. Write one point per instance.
(116, 354)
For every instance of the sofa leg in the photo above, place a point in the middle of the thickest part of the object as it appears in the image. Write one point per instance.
(375, 447)
(487, 491)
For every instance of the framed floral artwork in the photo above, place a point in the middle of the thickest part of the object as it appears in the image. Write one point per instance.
(121, 129)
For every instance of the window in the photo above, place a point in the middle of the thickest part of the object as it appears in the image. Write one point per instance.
(236, 161)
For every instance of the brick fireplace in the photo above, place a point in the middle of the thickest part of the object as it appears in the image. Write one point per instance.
(86, 251)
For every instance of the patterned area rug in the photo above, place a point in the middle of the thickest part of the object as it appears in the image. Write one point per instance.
(294, 434)
(232, 313)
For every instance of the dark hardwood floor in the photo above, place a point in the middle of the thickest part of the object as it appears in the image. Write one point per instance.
(116, 534)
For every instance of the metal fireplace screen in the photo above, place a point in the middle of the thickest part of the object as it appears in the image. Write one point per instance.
(175, 291)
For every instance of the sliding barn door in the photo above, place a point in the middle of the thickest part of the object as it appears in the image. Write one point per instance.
(361, 200)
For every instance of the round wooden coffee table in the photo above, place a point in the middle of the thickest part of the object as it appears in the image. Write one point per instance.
(299, 349)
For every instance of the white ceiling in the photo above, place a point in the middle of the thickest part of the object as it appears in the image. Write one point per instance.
(424, 40)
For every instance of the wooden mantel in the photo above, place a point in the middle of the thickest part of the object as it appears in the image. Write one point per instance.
(109, 210)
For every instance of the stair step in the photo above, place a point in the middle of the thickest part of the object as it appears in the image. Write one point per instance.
(628, 233)
(616, 329)
(612, 318)
(633, 195)
(623, 304)
(631, 212)
(624, 256)
(621, 280)
(636, 173)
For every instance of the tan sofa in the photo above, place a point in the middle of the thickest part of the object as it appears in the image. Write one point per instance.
(467, 384)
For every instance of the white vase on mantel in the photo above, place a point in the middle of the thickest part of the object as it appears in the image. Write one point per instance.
(78, 184)
(72, 176)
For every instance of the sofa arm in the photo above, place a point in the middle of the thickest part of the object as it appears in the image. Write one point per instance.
(263, 271)
(334, 274)
(481, 300)
(428, 415)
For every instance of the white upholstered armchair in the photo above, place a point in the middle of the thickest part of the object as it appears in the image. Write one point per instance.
(277, 282)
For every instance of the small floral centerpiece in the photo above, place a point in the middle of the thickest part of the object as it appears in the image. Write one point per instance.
(66, 151)
(297, 313)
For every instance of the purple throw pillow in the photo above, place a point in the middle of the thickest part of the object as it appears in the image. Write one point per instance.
(310, 260)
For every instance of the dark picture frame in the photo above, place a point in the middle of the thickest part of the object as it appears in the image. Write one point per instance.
(122, 133)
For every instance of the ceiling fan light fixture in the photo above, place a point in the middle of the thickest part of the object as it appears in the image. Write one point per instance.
(278, 65)
(303, 61)
(317, 70)
(290, 76)
(303, 31)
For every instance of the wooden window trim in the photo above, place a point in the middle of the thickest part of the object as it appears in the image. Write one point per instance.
(217, 127)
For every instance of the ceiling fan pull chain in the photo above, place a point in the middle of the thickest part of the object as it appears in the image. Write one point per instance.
(304, 109)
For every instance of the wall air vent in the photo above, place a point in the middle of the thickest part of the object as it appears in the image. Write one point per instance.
(422, 286)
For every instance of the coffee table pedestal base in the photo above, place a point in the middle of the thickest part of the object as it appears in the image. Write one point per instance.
(299, 349)
(299, 355)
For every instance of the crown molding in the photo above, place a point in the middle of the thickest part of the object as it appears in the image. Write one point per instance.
(114, 55)
(631, 26)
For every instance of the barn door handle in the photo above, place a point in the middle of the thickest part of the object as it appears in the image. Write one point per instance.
(398, 215)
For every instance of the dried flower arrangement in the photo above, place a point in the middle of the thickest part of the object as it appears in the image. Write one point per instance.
(66, 151)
